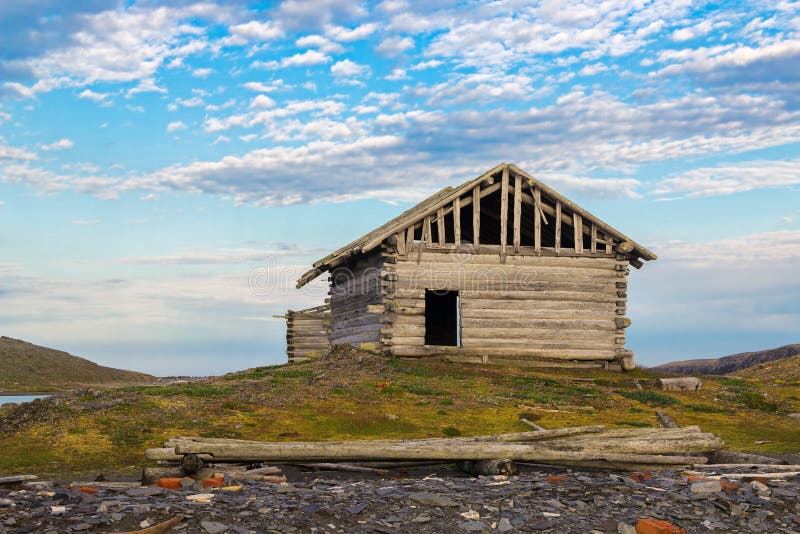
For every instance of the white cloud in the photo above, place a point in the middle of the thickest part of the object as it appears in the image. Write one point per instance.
(221, 139)
(692, 32)
(429, 64)
(397, 74)
(349, 69)
(259, 87)
(176, 126)
(148, 85)
(393, 46)
(731, 178)
(14, 153)
(61, 144)
(119, 45)
(202, 73)
(2, 203)
(304, 59)
(192, 102)
(85, 222)
(91, 95)
(349, 35)
(262, 101)
(253, 31)
(591, 70)
(319, 42)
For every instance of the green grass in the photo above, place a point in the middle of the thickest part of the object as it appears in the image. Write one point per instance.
(704, 408)
(420, 389)
(189, 390)
(451, 431)
(651, 398)
(756, 401)
(637, 424)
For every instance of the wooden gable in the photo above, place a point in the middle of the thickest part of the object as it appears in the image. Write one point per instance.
(503, 211)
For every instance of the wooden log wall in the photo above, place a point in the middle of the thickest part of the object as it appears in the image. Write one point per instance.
(564, 308)
(357, 295)
(307, 333)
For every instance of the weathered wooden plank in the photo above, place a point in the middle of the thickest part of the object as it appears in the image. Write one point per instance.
(412, 348)
(504, 213)
(577, 225)
(476, 217)
(537, 221)
(457, 220)
(524, 322)
(558, 228)
(594, 238)
(440, 227)
(600, 262)
(517, 212)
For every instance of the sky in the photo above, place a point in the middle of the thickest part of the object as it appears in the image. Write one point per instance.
(168, 169)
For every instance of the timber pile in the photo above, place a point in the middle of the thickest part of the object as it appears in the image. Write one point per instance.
(587, 446)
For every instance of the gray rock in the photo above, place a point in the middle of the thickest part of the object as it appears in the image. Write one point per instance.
(144, 492)
(625, 528)
(473, 526)
(212, 527)
(432, 499)
(504, 525)
(704, 489)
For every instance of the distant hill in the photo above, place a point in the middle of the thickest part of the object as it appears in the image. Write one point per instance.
(786, 369)
(25, 366)
(728, 364)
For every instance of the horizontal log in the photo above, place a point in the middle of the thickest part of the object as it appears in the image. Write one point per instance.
(412, 348)
(511, 259)
(356, 451)
(524, 322)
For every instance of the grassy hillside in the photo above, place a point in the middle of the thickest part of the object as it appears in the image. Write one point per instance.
(361, 396)
(28, 367)
(729, 364)
(786, 370)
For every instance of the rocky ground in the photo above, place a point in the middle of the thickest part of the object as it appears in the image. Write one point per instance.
(432, 499)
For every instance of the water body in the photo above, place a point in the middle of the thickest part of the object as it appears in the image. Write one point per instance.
(19, 398)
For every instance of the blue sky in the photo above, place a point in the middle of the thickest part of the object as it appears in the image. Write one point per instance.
(168, 170)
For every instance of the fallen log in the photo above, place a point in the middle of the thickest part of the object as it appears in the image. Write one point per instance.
(106, 485)
(685, 383)
(735, 457)
(773, 467)
(296, 452)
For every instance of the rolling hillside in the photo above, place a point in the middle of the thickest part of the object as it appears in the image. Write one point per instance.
(25, 366)
(783, 370)
(728, 364)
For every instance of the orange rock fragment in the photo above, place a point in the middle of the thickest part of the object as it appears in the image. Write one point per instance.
(657, 526)
(169, 483)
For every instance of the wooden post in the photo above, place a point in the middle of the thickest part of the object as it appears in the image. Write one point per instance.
(577, 227)
(594, 238)
(427, 235)
(518, 212)
(457, 221)
(558, 227)
(476, 218)
(440, 226)
(537, 221)
(401, 244)
(504, 213)
(409, 240)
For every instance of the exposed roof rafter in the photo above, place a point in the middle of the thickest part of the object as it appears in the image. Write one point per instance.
(441, 199)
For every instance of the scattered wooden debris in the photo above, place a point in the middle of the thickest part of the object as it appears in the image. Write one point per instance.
(531, 424)
(489, 467)
(156, 529)
(665, 421)
(343, 467)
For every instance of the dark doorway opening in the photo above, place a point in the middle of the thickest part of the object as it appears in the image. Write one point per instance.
(442, 318)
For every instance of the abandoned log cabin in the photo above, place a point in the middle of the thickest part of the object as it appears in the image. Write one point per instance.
(502, 269)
